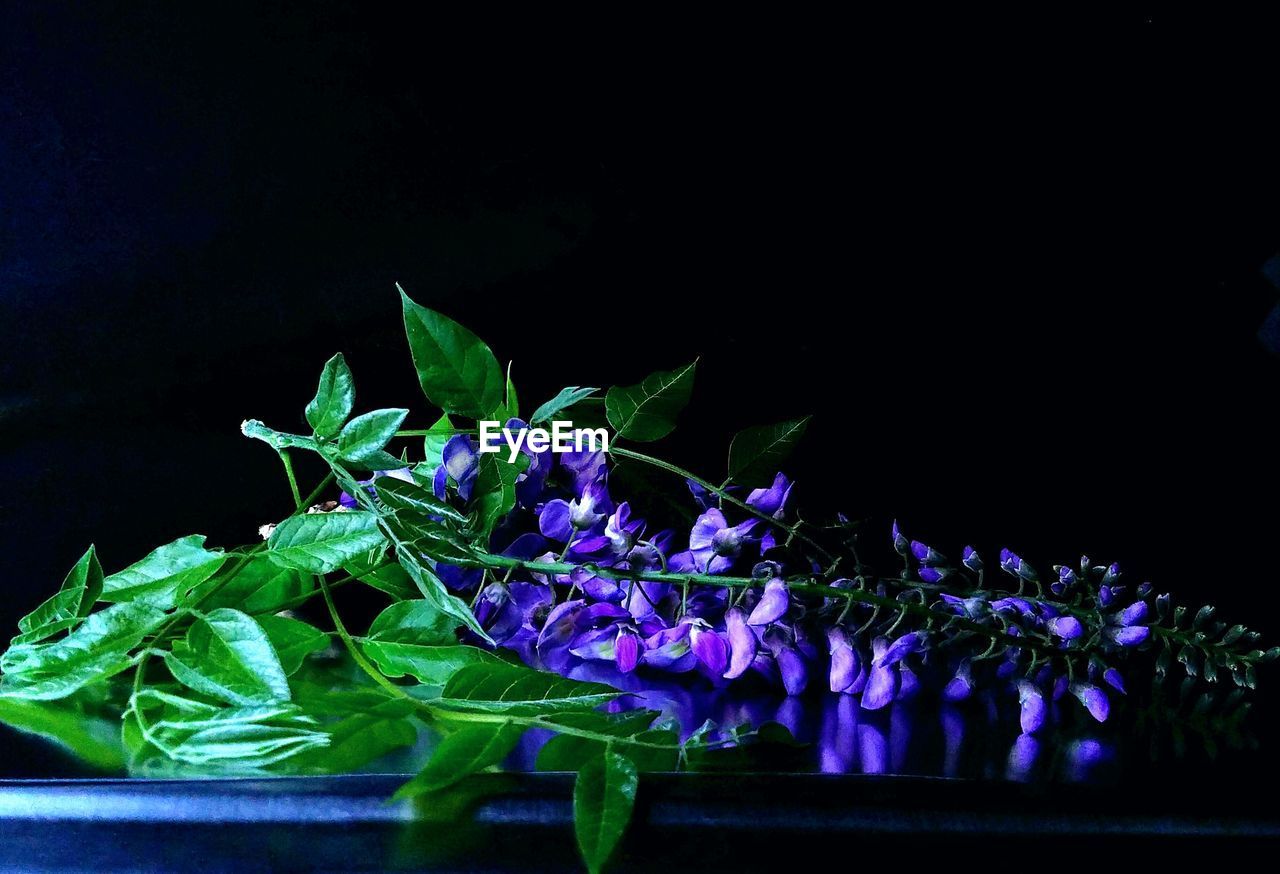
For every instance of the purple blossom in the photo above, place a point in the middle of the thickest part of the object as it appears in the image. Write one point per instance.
(619, 536)
(561, 520)
(847, 673)
(742, 643)
(882, 682)
(1012, 563)
(710, 647)
(714, 544)
(773, 500)
(1065, 627)
(1125, 628)
(971, 559)
(926, 555)
(791, 665)
(459, 463)
(960, 686)
(900, 544)
(1094, 700)
(899, 649)
(670, 649)
(773, 604)
(1033, 707)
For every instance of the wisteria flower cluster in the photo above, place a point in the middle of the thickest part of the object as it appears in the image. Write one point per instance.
(527, 591)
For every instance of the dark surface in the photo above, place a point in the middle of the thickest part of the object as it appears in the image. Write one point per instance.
(729, 823)
(1014, 267)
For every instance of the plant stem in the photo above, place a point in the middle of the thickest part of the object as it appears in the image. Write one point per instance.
(356, 655)
(293, 480)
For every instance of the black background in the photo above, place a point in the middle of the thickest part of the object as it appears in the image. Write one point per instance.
(1012, 265)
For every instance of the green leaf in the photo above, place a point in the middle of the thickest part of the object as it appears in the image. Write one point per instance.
(97, 649)
(92, 738)
(401, 496)
(756, 453)
(429, 665)
(433, 443)
(603, 797)
(335, 398)
(565, 399)
(358, 739)
(199, 733)
(364, 437)
(293, 640)
(517, 690)
(437, 595)
(464, 752)
(510, 408)
(648, 411)
(457, 371)
(494, 495)
(81, 588)
(389, 579)
(566, 752)
(227, 655)
(165, 574)
(260, 585)
(417, 622)
(320, 543)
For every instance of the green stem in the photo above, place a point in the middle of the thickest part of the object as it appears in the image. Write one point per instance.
(356, 655)
(293, 480)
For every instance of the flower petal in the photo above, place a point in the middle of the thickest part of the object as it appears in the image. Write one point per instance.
(742, 643)
(773, 604)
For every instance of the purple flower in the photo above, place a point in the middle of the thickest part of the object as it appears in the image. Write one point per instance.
(847, 673)
(773, 604)
(960, 686)
(584, 467)
(515, 608)
(791, 665)
(1094, 700)
(742, 643)
(773, 500)
(714, 544)
(460, 461)
(1066, 579)
(1112, 574)
(1065, 627)
(560, 519)
(895, 652)
(926, 555)
(882, 682)
(900, 544)
(1130, 635)
(1012, 563)
(1033, 707)
(670, 649)
(932, 574)
(971, 559)
(709, 646)
(620, 534)
(1112, 678)
(559, 629)
(1125, 628)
